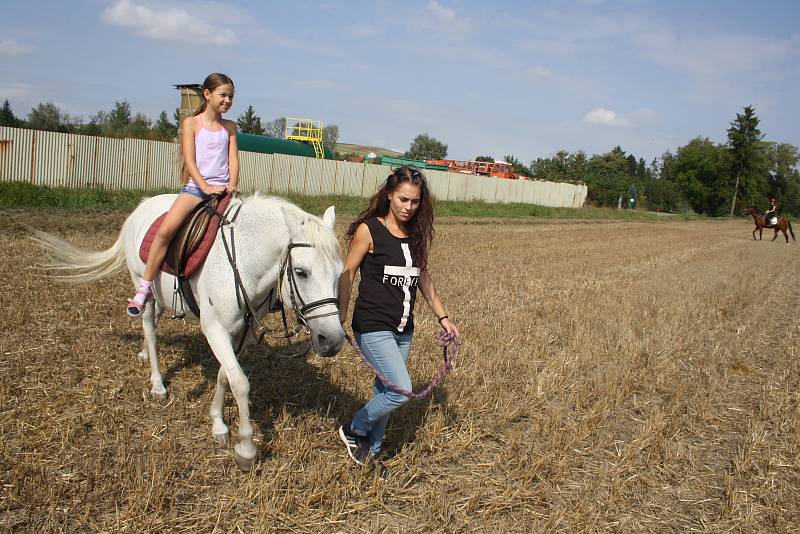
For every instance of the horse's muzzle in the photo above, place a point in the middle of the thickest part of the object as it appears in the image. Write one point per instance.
(327, 346)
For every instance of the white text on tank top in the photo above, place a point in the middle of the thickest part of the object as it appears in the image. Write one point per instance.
(211, 154)
(394, 274)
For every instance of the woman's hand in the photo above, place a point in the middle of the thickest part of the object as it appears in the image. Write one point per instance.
(232, 188)
(450, 327)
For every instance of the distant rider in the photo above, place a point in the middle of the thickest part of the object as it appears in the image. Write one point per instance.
(771, 215)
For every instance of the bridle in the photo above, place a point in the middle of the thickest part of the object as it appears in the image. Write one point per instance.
(301, 308)
(287, 272)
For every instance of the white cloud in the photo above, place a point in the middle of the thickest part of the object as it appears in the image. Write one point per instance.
(540, 72)
(606, 117)
(445, 19)
(165, 23)
(10, 47)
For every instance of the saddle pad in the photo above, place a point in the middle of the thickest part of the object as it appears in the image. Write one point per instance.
(197, 257)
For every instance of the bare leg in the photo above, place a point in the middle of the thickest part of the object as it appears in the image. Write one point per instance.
(182, 206)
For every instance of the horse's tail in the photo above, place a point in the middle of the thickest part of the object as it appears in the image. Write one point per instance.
(76, 265)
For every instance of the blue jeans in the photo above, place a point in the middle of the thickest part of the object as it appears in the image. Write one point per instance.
(388, 352)
(191, 189)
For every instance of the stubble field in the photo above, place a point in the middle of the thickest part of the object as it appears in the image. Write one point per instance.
(622, 376)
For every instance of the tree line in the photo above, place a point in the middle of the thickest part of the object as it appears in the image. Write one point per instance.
(122, 122)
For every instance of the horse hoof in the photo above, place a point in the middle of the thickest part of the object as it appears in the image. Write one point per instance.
(158, 395)
(143, 358)
(221, 439)
(245, 464)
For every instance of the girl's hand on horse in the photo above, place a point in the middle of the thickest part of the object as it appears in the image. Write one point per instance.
(230, 188)
(213, 189)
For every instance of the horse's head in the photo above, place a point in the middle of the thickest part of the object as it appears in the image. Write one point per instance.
(750, 211)
(311, 277)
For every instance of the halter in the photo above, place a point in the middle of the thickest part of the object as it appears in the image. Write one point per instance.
(294, 292)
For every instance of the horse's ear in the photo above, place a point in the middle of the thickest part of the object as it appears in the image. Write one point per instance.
(293, 221)
(329, 218)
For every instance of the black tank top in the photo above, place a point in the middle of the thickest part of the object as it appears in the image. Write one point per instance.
(388, 287)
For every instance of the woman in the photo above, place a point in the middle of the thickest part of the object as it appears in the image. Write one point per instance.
(389, 244)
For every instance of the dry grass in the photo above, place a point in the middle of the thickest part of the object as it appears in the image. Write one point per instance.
(615, 376)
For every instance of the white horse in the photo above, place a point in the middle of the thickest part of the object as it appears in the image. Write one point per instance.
(273, 239)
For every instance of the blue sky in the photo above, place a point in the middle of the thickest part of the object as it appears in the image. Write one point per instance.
(499, 78)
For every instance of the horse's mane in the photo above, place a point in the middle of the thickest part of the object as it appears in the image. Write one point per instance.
(317, 234)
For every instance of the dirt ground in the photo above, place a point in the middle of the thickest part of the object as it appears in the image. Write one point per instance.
(615, 376)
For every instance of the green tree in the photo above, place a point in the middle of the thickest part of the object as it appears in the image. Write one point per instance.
(48, 117)
(330, 136)
(701, 170)
(163, 129)
(746, 152)
(662, 195)
(607, 177)
(7, 117)
(118, 119)
(426, 147)
(490, 159)
(249, 122)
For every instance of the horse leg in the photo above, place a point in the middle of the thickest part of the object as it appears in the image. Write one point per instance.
(244, 452)
(775, 234)
(150, 349)
(218, 427)
(754, 233)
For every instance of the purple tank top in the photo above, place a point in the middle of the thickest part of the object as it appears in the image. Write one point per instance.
(211, 154)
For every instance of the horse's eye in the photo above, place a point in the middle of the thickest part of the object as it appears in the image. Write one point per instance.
(300, 273)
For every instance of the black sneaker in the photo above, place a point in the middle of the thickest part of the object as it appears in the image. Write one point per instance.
(357, 446)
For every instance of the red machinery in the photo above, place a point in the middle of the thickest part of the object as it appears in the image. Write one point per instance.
(499, 169)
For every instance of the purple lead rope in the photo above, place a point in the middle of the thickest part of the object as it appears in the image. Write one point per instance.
(449, 343)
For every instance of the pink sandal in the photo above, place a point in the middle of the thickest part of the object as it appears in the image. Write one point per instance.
(134, 308)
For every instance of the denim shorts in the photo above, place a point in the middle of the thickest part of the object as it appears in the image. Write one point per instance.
(191, 189)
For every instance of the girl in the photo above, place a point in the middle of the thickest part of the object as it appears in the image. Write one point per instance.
(389, 244)
(210, 166)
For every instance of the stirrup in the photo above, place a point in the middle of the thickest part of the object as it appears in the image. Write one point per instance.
(134, 308)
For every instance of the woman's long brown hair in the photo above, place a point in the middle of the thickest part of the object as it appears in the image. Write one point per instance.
(419, 227)
(211, 82)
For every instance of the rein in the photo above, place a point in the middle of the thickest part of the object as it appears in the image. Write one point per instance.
(449, 344)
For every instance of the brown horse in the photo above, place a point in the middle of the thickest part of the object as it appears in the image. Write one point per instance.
(783, 225)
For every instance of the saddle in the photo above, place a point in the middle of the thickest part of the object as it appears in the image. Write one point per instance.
(190, 245)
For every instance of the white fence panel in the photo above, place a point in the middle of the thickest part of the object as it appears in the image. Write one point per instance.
(320, 177)
(503, 193)
(297, 174)
(474, 185)
(255, 172)
(438, 183)
(374, 176)
(349, 178)
(163, 166)
(488, 189)
(16, 148)
(50, 159)
(457, 188)
(281, 169)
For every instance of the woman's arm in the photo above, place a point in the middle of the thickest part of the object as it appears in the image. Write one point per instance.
(233, 157)
(359, 247)
(435, 303)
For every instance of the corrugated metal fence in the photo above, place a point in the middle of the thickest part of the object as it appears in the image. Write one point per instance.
(69, 160)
